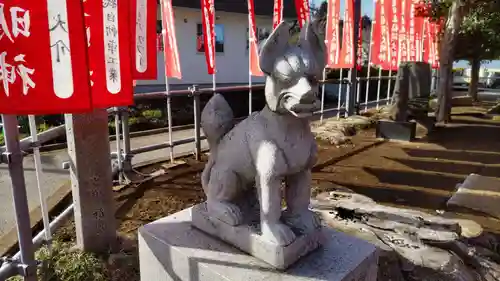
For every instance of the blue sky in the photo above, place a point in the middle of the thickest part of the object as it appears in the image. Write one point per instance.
(367, 9)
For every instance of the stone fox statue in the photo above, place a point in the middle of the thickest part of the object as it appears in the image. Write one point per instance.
(269, 147)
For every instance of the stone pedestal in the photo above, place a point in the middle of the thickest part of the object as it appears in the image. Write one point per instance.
(396, 130)
(171, 249)
(248, 239)
(478, 193)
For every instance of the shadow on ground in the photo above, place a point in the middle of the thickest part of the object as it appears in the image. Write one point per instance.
(423, 175)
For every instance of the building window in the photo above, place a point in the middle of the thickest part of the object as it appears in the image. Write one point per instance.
(219, 38)
(262, 34)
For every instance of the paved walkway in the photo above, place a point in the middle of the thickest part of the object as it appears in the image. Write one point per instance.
(56, 182)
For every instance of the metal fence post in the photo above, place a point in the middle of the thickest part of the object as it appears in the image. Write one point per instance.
(197, 117)
(127, 157)
(358, 96)
(118, 144)
(14, 158)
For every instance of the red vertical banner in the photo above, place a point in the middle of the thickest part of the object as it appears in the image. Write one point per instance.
(143, 37)
(108, 35)
(208, 18)
(380, 52)
(426, 42)
(419, 32)
(403, 31)
(43, 58)
(393, 10)
(346, 59)
(332, 34)
(277, 13)
(359, 63)
(302, 8)
(253, 52)
(171, 52)
(431, 54)
(435, 45)
(412, 46)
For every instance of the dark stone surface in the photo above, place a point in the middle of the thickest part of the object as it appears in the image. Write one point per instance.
(399, 109)
(395, 130)
(411, 94)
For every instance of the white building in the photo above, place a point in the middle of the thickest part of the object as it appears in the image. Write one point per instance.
(231, 27)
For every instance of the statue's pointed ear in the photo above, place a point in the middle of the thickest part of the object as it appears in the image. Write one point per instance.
(311, 42)
(273, 47)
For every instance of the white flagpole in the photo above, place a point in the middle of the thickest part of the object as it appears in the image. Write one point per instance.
(169, 119)
(422, 40)
(379, 85)
(39, 177)
(167, 91)
(214, 83)
(369, 63)
(250, 30)
(249, 89)
(339, 98)
(323, 96)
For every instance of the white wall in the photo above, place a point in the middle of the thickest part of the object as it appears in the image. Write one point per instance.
(232, 65)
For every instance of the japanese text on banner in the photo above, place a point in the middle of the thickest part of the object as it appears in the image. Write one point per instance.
(208, 18)
(277, 13)
(403, 31)
(393, 12)
(42, 66)
(419, 31)
(346, 59)
(109, 48)
(253, 52)
(412, 46)
(381, 37)
(359, 45)
(18, 68)
(143, 27)
(333, 34)
(171, 52)
(302, 8)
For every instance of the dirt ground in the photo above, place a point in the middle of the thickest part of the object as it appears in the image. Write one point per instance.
(419, 175)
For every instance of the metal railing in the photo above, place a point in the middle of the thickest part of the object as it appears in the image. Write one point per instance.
(123, 155)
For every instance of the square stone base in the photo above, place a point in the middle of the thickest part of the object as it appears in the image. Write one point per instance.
(171, 249)
(478, 193)
(394, 130)
(248, 239)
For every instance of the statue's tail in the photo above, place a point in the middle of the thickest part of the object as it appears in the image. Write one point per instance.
(217, 119)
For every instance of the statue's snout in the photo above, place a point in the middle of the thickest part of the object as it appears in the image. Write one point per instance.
(304, 91)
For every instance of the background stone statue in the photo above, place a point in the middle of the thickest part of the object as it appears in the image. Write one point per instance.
(411, 92)
(270, 147)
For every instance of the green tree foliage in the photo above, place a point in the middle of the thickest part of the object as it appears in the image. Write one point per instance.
(477, 35)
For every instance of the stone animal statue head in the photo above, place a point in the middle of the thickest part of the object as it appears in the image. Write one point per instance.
(293, 71)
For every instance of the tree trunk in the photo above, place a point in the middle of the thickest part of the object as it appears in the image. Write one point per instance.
(452, 27)
(474, 80)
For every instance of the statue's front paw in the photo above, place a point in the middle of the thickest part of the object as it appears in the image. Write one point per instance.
(303, 222)
(278, 233)
(226, 212)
